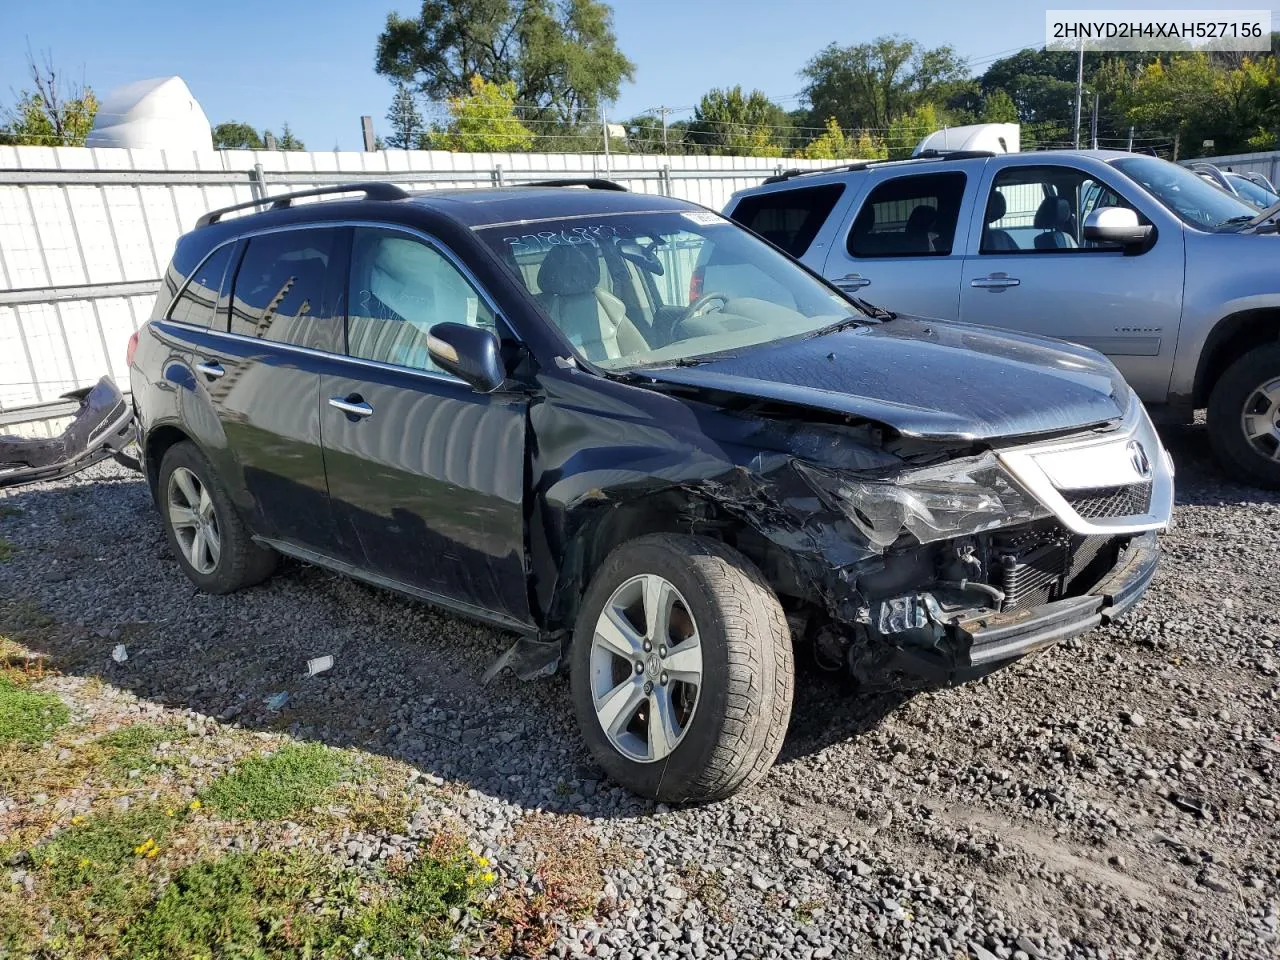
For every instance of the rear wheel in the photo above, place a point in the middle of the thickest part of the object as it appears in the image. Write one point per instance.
(1244, 417)
(682, 669)
(204, 531)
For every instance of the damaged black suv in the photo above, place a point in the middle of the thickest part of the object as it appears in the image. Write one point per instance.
(641, 438)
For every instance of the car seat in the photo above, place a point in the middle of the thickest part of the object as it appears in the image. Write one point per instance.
(917, 231)
(588, 316)
(994, 239)
(1056, 218)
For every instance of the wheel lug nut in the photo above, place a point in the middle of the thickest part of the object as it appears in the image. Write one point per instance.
(664, 679)
(648, 687)
(639, 666)
(647, 646)
(662, 651)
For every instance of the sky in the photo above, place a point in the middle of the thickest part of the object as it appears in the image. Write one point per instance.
(310, 62)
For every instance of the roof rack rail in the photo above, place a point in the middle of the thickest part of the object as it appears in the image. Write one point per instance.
(865, 164)
(591, 183)
(377, 190)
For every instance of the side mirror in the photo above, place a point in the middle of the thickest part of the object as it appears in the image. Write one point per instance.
(469, 353)
(1116, 225)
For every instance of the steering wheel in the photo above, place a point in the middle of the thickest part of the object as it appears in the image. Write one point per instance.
(696, 308)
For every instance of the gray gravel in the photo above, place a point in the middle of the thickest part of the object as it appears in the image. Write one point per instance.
(1114, 796)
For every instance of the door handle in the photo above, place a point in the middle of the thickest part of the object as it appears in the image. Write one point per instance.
(352, 406)
(852, 281)
(211, 369)
(997, 281)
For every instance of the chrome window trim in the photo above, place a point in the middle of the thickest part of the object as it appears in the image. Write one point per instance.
(431, 241)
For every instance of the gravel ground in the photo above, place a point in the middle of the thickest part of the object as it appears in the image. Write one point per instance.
(1113, 796)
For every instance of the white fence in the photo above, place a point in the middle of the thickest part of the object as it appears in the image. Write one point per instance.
(85, 234)
(1267, 164)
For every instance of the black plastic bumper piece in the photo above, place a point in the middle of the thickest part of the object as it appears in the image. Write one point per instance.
(1000, 637)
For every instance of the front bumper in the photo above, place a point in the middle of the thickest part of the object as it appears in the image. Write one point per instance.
(101, 428)
(971, 648)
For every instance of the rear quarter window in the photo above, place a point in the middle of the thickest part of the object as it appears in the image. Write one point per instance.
(789, 219)
(198, 301)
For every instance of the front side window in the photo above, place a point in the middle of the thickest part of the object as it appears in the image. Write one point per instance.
(909, 217)
(279, 291)
(1193, 201)
(648, 289)
(199, 298)
(789, 219)
(400, 288)
(1043, 209)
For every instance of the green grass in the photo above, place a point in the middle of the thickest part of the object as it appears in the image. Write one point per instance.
(294, 778)
(290, 905)
(26, 716)
(6, 550)
(133, 747)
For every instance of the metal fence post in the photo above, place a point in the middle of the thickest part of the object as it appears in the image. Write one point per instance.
(258, 182)
(496, 175)
(664, 180)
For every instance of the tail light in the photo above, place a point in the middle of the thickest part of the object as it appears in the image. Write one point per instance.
(131, 349)
(695, 283)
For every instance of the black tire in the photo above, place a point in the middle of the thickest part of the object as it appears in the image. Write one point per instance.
(241, 562)
(744, 702)
(1235, 388)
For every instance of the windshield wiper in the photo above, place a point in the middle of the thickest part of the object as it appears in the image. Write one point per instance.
(696, 361)
(880, 313)
(1243, 219)
(836, 327)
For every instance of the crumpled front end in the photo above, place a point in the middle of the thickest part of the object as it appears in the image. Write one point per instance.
(102, 427)
(986, 558)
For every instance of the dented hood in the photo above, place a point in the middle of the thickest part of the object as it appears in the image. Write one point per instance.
(925, 379)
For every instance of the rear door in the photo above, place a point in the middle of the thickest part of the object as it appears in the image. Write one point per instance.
(256, 366)
(899, 249)
(792, 218)
(426, 476)
(1030, 269)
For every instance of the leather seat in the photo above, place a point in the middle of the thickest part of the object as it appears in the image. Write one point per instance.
(996, 239)
(1057, 219)
(588, 316)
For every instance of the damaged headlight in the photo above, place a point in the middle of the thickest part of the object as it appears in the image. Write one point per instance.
(934, 503)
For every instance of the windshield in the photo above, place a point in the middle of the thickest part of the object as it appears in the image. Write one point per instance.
(1196, 202)
(644, 289)
(1255, 193)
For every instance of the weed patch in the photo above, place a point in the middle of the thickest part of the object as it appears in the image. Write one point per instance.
(6, 550)
(294, 778)
(134, 748)
(27, 716)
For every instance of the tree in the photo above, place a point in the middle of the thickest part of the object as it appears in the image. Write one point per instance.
(54, 113)
(905, 132)
(484, 122)
(869, 84)
(236, 136)
(406, 122)
(561, 56)
(288, 141)
(733, 122)
(998, 107)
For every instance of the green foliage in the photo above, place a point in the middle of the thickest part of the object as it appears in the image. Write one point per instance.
(906, 132)
(561, 57)
(133, 747)
(236, 136)
(28, 717)
(288, 141)
(870, 84)
(6, 550)
(733, 122)
(406, 121)
(97, 852)
(51, 113)
(998, 107)
(835, 144)
(292, 779)
(484, 122)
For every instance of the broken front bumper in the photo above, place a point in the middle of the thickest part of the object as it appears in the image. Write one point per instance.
(101, 428)
(972, 647)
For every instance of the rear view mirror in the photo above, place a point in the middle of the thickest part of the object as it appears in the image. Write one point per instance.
(642, 257)
(1116, 225)
(470, 353)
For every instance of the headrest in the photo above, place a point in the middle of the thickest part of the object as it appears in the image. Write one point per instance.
(996, 207)
(569, 270)
(921, 219)
(1054, 213)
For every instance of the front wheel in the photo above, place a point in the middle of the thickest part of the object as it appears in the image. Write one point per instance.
(1244, 417)
(682, 670)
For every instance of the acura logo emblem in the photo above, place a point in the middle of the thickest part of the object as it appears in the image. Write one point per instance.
(1138, 457)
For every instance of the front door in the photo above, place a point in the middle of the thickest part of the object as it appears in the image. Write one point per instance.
(901, 252)
(426, 476)
(1030, 269)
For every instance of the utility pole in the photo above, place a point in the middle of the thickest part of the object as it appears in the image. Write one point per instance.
(1094, 124)
(604, 128)
(1131, 139)
(1079, 92)
(662, 112)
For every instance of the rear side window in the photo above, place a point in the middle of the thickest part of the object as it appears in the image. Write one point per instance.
(400, 289)
(789, 219)
(280, 290)
(909, 217)
(199, 298)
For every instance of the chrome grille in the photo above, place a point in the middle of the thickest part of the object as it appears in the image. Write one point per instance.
(1101, 503)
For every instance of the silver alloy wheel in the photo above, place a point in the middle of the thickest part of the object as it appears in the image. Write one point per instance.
(1260, 419)
(194, 521)
(646, 668)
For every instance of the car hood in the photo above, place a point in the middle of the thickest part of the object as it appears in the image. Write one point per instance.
(924, 378)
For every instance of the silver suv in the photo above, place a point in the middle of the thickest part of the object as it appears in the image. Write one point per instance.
(1174, 280)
